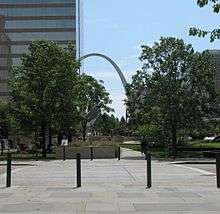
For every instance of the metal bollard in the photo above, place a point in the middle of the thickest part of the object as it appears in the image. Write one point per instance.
(64, 153)
(8, 178)
(78, 170)
(119, 153)
(149, 176)
(91, 153)
(218, 170)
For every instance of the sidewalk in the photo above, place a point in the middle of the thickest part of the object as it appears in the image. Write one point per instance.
(110, 187)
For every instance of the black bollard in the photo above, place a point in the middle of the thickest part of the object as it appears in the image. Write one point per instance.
(149, 176)
(218, 169)
(91, 153)
(8, 179)
(64, 153)
(119, 153)
(78, 170)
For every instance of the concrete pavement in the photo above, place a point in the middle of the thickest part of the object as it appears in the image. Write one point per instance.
(110, 187)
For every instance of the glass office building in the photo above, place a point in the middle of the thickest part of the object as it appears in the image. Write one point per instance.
(23, 21)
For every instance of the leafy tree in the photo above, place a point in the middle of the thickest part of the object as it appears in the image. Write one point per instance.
(137, 102)
(5, 120)
(8, 123)
(123, 128)
(43, 87)
(215, 33)
(149, 132)
(93, 99)
(106, 124)
(174, 90)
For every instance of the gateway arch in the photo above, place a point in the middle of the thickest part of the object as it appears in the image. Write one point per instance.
(121, 75)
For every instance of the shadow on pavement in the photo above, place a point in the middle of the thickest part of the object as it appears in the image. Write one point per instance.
(133, 158)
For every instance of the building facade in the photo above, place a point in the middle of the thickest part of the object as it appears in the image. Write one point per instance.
(23, 21)
(216, 61)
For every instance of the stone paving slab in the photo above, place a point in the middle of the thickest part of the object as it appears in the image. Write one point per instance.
(109, 187)
(176, 207)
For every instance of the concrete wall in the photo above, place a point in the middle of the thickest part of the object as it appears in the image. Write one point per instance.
(98, 152)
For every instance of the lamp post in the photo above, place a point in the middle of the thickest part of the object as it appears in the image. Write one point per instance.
(79, 31)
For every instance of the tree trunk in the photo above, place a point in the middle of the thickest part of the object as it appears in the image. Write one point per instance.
(174, 140)
(2, 148)
(84, 125)
(36, 136)
(50, 137)
(44, 147)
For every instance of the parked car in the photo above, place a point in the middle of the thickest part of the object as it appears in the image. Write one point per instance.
(209, 138)
(213, 138)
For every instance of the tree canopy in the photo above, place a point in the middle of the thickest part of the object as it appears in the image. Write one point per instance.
(173, 91)
(43, 87)
(106, 124)
(93, 100)
(214, 33)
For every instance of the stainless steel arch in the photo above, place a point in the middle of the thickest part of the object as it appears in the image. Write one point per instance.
(121, 75)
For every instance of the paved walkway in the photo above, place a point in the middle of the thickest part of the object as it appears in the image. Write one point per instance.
(110, 187)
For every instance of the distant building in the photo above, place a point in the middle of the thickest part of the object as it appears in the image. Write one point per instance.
(216, 61)
(23, 21)
(5, 59)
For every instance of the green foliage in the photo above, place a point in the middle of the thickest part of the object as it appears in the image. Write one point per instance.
(44, 85)
(106, 124)
(216, 6)
(48, 93)
(204, 144)
(92, 100)
(149, 131)
(5, 120)
(214, 34)
(43, 89)
(177, 95)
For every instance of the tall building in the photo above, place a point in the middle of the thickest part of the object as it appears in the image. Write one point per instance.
(23, 21)
(216, 61)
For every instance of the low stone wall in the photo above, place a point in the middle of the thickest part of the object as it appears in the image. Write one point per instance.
(86, 152)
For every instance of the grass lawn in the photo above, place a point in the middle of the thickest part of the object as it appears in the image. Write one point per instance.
(164, 153)
(204, 144)
(155, 152)
(27, 156)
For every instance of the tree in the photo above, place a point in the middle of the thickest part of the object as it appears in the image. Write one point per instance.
(43, 87)
(5, 120)
(8, 123)
(106, 124)
(93, 99)
(215, 33)
(177, 94)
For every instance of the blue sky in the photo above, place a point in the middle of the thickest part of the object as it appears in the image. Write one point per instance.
(118, 28)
